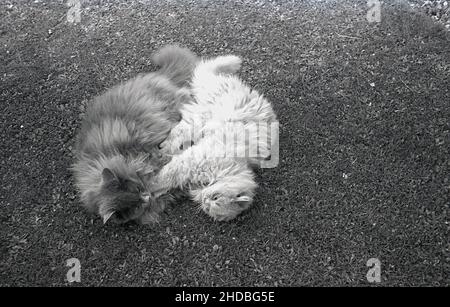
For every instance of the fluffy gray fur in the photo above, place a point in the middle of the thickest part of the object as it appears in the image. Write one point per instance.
(117, 145)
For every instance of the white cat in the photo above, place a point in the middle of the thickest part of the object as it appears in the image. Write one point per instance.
(221, 124)
(220, 97)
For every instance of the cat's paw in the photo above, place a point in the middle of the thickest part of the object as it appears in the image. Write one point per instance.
(164, 147)
(169, 147)
(176, 142)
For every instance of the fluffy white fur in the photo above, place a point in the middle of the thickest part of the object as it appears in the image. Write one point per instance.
(216, 168)
(223, 185)
(221, 97)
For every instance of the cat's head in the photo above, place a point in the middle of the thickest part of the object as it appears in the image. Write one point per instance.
(122, 197)
(228, 196)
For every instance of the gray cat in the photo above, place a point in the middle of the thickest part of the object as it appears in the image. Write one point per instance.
(117, 146)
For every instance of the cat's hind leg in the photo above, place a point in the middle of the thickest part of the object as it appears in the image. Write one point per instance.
(227, 64)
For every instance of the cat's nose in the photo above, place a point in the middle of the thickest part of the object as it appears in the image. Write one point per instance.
(145, 197)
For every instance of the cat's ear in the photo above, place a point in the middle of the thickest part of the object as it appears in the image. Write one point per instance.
(243, 199)
(108, 175)
(107, 216)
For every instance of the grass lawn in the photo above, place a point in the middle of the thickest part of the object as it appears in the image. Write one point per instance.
(364, 144)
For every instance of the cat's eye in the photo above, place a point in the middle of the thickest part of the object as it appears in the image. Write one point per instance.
(215, 197)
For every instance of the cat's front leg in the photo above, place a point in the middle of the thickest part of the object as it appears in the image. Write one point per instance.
(176, 140)
(166, 180)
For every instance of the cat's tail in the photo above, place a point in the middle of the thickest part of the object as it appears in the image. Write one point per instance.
(176, 63)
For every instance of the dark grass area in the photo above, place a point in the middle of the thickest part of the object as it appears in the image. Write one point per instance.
(364, 149)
